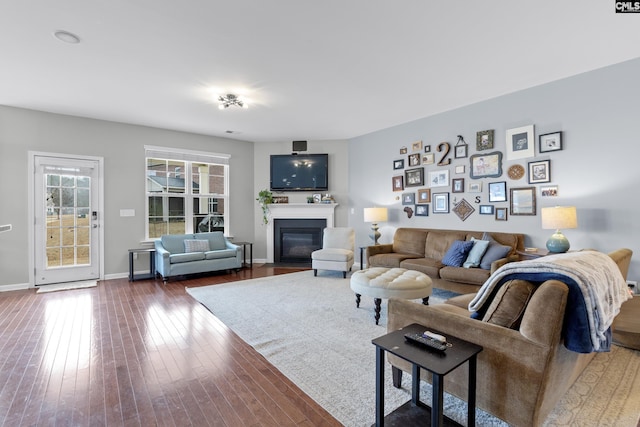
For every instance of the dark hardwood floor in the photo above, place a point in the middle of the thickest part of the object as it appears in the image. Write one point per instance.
(139, 353)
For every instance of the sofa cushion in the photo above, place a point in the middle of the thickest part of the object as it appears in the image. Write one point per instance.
(174, 243)
(457, 253)
(196, 245)
(476, 253)
(390, 260)
(187, 257)
(428, 266)
(494, 252)
(409, 241)
(509, 304)
(438, 242)
(216, 240)
(471, 276)
(225, 253)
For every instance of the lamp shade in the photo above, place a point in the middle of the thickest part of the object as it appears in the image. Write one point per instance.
(559, 217)
(375, 214)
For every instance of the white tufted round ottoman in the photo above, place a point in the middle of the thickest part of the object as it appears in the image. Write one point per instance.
(382, 282)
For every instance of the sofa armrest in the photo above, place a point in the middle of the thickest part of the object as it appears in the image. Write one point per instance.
(378, 249)
(502, 261)
(162, 259)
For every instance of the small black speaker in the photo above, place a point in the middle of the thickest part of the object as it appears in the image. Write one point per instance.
(299, 146)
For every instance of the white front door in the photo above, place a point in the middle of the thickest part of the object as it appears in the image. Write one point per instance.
(67, 219)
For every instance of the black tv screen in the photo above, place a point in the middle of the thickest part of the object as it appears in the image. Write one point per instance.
(301, 172)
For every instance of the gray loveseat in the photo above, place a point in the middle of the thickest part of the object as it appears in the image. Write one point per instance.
(178, 254)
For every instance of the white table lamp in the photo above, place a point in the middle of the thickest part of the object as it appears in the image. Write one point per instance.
(374, 216)
(556, 218)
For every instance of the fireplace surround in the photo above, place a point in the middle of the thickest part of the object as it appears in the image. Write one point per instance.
(324, 211)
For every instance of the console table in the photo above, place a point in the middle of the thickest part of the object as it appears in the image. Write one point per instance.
(436, 362)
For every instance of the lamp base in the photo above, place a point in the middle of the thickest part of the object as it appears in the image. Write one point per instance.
(558, 243)
(375, 234)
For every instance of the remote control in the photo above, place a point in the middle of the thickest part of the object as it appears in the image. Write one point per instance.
(426, 341)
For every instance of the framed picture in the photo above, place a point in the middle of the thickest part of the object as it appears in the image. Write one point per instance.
(439, 178)
(484, 140)
(408, 198)
(501, 214)
(317, 197)
(422, 210)
(440, 202)
(550, 142)
(398, 164)
(428, 159)
(416, 146)
(403, 150)
(414, 177)
(498, 191)
(486, 165)
(424, 195)
(463, 209)
(414, 159)
(457, 185)
(397, 182)
(539, 171)
(427, 148)
(459, 169)
(461, 151)
(523, 201)
(475, 187)
(549, 191)
(520, 143)
(486, 209)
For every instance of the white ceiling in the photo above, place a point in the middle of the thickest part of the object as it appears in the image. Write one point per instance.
(313, 69)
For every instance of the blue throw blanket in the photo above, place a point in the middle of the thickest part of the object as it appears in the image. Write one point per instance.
(596, 292)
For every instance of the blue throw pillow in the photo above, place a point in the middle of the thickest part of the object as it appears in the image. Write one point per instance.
(494, 252)
(457, 253)
(476, 253)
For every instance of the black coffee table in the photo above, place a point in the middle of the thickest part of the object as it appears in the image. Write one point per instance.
(436, 362)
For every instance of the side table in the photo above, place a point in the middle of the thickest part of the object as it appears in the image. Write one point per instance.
(244, 253)
(626, 325)
(152, 264)
(527, 255)
(438, 363)
(362, 249)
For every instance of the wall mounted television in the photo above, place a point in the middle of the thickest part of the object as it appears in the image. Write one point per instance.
(299, 172)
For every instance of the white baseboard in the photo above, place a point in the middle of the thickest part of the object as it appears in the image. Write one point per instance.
(14, 287)
(116, 276)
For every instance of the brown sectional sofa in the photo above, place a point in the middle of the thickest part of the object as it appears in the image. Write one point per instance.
(522, 373)
(423, 249)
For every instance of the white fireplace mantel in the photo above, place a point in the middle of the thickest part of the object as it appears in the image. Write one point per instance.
(297, 211)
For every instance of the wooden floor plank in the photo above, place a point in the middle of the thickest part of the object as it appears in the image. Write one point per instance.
(141, 353)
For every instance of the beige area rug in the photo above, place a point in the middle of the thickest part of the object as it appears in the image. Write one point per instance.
(310, 329)
(67, 286)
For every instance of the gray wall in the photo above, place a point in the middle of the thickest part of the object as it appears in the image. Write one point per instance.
(338, 185)
(597, 171)
(121, 146)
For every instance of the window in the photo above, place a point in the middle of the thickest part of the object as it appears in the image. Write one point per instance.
(187, 192)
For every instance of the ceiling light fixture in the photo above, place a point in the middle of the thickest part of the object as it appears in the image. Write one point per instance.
(66, 36)
(228, 100)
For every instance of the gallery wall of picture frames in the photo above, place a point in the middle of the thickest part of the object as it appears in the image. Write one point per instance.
(487, 178)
